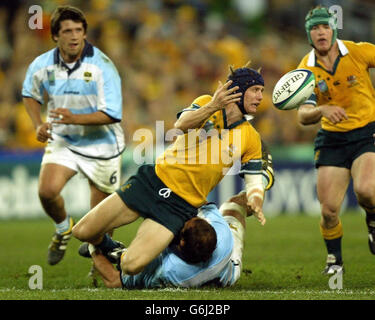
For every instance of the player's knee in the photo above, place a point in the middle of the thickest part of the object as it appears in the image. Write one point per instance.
(329, 213)
(80, 232)
(365, 194)
(131, 265)
(48, 193)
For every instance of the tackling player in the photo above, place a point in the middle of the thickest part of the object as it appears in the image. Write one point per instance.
(83, 127)
(344, 102)
(170, 192)
(183, 264)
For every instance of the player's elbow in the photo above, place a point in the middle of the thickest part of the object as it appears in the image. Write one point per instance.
(306, 117)
(181, 126)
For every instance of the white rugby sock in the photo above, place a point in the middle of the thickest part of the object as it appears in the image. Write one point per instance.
(63, 226)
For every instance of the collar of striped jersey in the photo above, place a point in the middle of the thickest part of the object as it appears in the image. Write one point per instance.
(88, 51)
(342, 49)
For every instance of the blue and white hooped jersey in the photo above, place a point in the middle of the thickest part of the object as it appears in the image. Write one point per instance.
(169, 270)
(92, 85)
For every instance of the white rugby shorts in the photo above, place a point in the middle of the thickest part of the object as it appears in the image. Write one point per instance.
(105, 174)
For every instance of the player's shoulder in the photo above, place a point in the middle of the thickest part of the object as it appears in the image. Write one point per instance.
(304, 62)
(202, 100)
(100, 59)
(44, 60)
(249, 126)
(353, 47)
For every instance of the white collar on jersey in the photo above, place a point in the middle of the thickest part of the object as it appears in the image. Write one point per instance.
(342, 48)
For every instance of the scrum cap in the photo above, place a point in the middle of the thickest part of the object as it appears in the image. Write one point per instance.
(320, 15)
(244, 78)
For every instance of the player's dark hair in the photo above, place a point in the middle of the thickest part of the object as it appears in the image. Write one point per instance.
(198, 240)
(66, 13)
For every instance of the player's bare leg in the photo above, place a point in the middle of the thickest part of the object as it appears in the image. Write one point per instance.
(332, 183)
(235, 211)
(97, 196)
(109, 214)
(363, 173)
(52, 179)
(151, 239)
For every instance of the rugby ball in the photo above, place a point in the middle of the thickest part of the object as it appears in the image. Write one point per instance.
(293, 89)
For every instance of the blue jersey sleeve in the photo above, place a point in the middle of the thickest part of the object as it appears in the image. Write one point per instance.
(33, 83)
(109, 91)
(150, 277)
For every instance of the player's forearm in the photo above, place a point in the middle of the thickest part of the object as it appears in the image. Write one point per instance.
(110, 276)
(65, 116)
(33, 109)
(96, 118)
(255, 194)
(195, 119)
(309, 114)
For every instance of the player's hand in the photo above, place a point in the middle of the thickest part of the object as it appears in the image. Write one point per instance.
(241, 199)
(62, 116)
(224, 96)
(257, 212)
(335, 114)
(43, 132)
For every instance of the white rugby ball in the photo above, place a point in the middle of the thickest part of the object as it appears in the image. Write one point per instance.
(293, 89)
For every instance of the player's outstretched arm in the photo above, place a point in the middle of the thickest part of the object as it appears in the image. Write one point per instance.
(195, 119)
(255, 194)
(310, 114)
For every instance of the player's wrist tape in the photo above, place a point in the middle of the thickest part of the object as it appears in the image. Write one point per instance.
(254, 193)
(233, 206)
(91, 248)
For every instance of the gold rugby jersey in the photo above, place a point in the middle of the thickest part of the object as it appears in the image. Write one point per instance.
(197, 161)
(348, 86)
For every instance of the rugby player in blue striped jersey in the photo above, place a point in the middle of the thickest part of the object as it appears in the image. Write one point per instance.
(83, 126)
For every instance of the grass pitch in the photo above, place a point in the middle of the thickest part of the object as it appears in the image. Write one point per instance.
(282, 261)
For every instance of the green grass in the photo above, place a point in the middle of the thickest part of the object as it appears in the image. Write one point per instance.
(282, 260)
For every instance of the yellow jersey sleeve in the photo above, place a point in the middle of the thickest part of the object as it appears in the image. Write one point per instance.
(196, 104)
(202, 100)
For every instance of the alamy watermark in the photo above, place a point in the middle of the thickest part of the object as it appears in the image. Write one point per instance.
(336, 22)
(196, 146)
(336, 280)
(36, 19)
(36, 280)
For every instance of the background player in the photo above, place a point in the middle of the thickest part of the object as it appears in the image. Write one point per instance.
(83, 126)
(344, 148)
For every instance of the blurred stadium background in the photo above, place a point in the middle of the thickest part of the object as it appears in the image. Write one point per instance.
(168, 52)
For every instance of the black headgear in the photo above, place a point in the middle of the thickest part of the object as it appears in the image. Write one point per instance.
(244, 78)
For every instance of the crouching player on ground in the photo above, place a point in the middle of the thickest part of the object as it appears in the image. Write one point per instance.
(208, 251)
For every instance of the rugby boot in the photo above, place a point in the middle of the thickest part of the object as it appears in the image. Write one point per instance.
(83, 251)
(333, 266)
(371, 235)
(57, 247)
